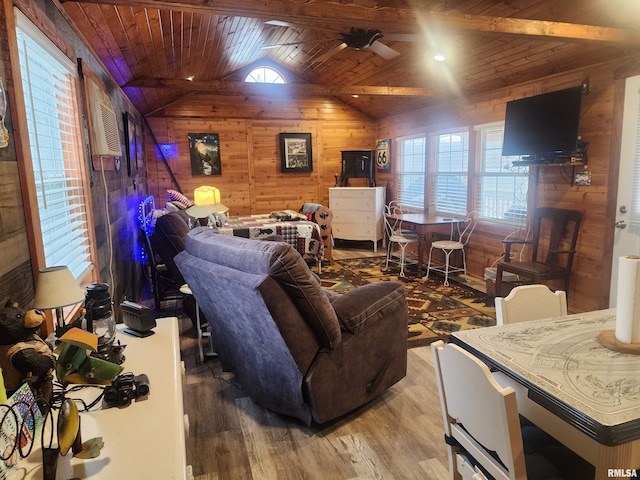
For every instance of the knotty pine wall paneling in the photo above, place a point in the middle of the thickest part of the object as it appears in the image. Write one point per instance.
(552, 185)
(252, 180)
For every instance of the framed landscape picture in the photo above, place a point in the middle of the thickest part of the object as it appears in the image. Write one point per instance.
(295, 152)
(204, 149)
(131, 147)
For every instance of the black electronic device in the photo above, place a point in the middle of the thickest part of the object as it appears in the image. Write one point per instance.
(358, 164)
(125, 388)
(138, 319)
(545, 126)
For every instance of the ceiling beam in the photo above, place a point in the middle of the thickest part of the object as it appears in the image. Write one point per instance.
(391, 20)
(224, 87)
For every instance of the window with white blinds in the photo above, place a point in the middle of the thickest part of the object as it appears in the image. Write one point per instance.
(411, 174)
(49, 83)
(503, 187)
(451, 167)
(635, 192)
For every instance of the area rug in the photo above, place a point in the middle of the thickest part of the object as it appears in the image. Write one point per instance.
(435, 311)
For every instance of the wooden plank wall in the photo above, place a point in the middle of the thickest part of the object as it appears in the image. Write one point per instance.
(16, 278)
(590, 280)
(251, 181)
(117, 194)
(249, 128)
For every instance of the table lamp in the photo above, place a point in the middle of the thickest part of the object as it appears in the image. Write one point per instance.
(209, 197)
(56, 288)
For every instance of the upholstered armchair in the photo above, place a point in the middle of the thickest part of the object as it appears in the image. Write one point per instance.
(294, 347)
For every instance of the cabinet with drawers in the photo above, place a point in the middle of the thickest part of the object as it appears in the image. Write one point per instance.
(358, 213)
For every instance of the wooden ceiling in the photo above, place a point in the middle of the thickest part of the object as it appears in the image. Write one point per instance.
(150, 47)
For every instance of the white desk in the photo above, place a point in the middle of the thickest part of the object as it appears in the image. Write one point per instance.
(145, 440)
(583, 394)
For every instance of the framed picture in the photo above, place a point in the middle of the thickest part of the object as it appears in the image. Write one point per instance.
(383, 154)
(204, 149)
(295, 152)
(130, 144)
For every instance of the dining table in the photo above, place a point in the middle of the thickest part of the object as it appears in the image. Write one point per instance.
(573, 386)
(425, 225)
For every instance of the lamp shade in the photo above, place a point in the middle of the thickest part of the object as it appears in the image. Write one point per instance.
(206, 195)
(198, 211)
(57, 288)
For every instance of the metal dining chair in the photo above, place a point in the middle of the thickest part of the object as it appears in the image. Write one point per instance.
(397, 235)
(460, 233)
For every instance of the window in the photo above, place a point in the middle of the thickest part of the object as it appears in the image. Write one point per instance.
(411, 175)
(264, 75)
(49, 81)
(502, 192)
(451, 167)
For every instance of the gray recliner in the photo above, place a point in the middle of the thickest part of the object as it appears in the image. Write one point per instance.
(294, 347)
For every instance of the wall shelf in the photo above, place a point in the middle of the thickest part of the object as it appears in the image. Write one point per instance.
(573, 166)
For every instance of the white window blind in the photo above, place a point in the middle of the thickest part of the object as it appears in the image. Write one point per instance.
(451, 151)
(411, 175)
(502, 192)
(49, 84)
(635, 195)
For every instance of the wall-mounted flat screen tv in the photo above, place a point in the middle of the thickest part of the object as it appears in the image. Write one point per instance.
(543, 124)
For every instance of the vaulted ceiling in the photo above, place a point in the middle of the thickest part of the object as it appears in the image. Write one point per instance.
(151, 47)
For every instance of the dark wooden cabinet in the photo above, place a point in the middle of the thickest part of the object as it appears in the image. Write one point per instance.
(358, 164)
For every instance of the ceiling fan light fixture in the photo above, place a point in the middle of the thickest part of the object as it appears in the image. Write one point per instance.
(360, 39)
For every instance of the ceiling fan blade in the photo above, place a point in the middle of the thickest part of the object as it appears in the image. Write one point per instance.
(330, 53)
(281, 23)
(383, 50)
(402, 37)
(278, 45)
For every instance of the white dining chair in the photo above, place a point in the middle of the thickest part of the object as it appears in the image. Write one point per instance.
(460, 233)
(397, 235)
(530, 302)
(483, 430)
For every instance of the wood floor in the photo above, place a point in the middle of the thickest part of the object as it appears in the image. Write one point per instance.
(397, 436)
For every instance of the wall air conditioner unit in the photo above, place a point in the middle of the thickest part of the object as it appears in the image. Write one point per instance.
(104, 122)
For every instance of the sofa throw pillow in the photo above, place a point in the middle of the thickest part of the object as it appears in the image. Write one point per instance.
(176, 196)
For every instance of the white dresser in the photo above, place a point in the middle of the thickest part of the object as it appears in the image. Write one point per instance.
(358, 213)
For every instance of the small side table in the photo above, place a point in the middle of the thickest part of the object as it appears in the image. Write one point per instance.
(201, 334)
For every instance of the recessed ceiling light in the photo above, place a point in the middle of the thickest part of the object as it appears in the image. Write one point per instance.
(355, 96)
(439, 57)
(190, 77)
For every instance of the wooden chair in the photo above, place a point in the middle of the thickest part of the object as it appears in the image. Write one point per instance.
(553, 246)
(484, 431)
(530, 302)
(460, 233)
(397, 235)
(323, 217)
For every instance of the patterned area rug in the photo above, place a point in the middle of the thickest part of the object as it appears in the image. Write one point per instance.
(435, 311)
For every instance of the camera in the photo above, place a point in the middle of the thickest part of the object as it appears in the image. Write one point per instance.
(125, 388)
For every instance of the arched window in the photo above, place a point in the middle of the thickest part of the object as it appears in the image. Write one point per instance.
(264, 75)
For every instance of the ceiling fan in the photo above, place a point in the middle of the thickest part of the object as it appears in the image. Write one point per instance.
(356, 38)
